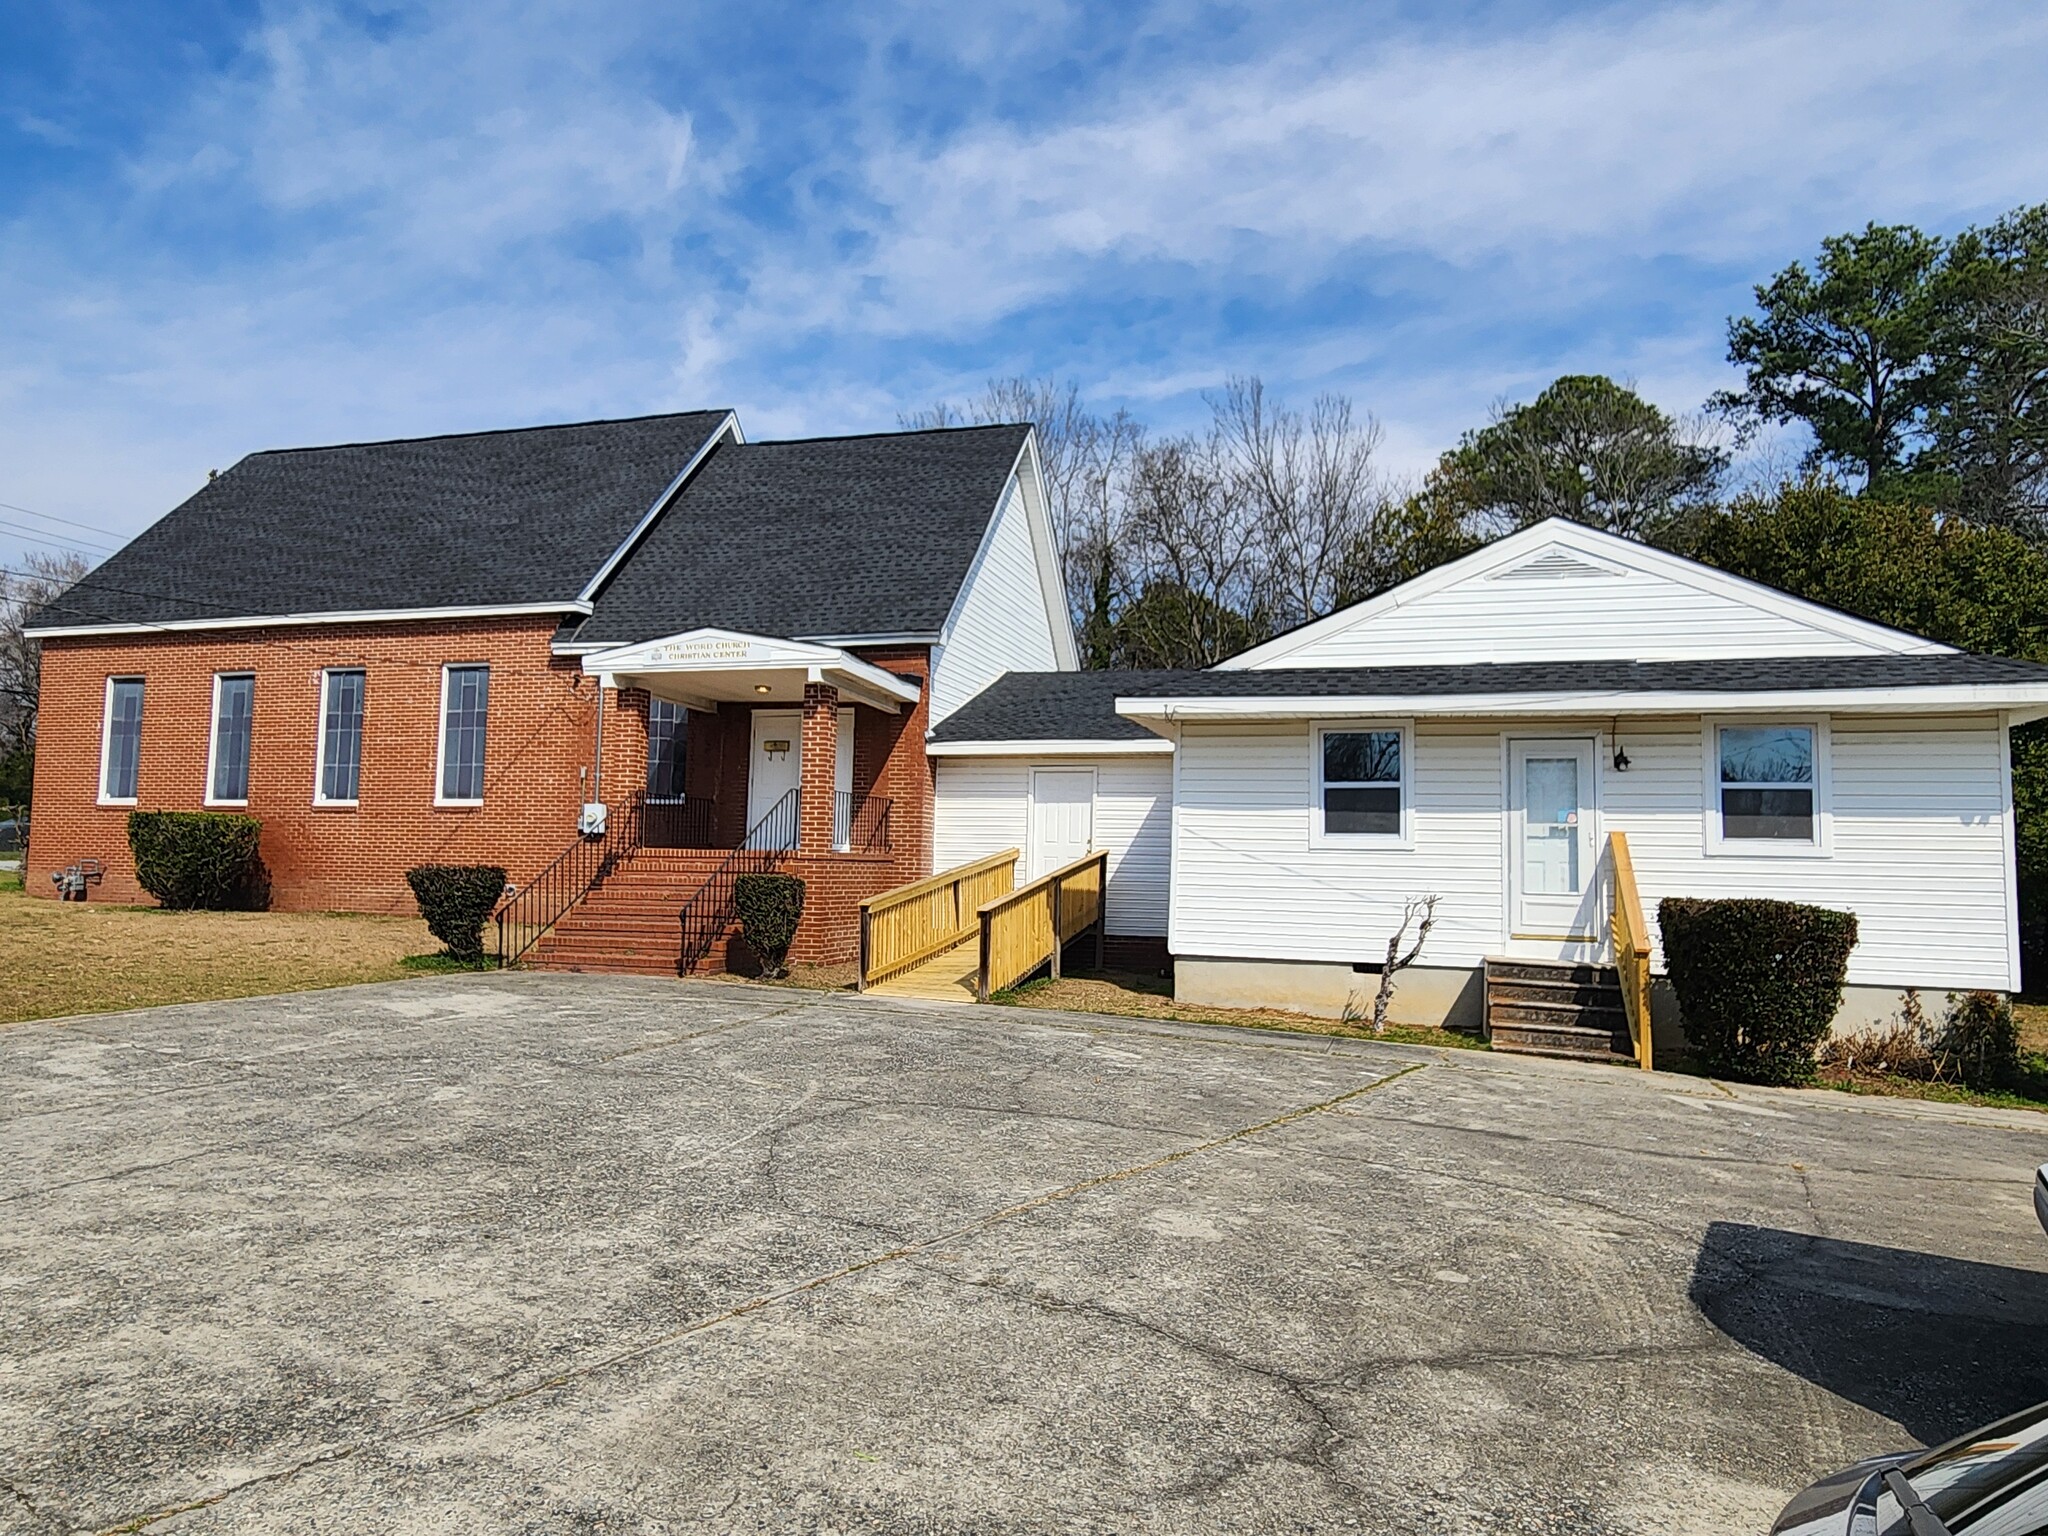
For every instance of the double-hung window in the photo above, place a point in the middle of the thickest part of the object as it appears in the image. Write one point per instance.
(341, 738)
(1766, 787)
(1361, 784)
(465, 698)
(121, 741)
(227, 773)
(668, 728)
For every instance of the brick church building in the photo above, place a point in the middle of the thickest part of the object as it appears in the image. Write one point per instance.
(477, 648)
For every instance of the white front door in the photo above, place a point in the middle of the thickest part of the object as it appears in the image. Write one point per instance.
(1062, 818)
(1553, 852)
(775, 766)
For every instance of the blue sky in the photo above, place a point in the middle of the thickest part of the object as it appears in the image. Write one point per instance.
(230, 226)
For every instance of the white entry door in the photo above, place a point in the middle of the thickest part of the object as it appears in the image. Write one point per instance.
(775, 766)
(1553, 852)
(1062, 818)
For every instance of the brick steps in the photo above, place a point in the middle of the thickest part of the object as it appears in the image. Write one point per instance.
(632, 924)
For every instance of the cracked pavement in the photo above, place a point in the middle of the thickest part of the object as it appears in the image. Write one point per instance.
(562, 1253)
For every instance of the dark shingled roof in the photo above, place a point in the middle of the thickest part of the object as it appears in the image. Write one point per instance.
(480, 519)
(1081, 706)
(836, 536)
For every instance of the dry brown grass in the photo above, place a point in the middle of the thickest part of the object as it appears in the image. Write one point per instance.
(60, 958)
(1141, 996)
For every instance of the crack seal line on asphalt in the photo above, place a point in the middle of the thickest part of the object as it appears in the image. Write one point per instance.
(770, 1298)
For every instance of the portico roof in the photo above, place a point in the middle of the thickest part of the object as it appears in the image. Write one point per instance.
(704, 668)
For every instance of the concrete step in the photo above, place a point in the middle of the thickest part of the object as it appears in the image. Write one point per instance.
(1503, 990)
(1517, 1012)
(1554, 972)
(1558, 1040)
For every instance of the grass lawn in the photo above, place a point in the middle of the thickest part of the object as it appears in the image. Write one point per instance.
(83, 957)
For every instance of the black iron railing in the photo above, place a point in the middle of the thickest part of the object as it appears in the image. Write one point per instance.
(709, 912)
(860, 824)
(677, 822)
(535, 907)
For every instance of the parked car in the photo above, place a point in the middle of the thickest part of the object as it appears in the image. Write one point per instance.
(13, 836)
(1990, 1482)
(2041, 1196)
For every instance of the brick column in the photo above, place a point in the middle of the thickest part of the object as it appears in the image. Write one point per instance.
(820, 765)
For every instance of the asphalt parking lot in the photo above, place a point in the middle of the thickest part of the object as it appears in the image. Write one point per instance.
(556, 1253)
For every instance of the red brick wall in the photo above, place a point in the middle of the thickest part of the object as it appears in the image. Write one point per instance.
(541, 745)
(540, 741)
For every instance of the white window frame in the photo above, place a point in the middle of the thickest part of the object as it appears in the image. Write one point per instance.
(107, 738)
(213, 738)
(441, 734)
(320, 739)
(1318, 836)
(1714, 845)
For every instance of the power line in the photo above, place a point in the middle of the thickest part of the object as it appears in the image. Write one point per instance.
(69, 522)
(44, 536)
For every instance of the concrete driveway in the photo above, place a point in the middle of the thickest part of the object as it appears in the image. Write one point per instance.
(557, 1253)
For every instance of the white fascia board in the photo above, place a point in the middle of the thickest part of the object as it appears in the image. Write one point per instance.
(1047, 748)
(1608, 548)
(2026, 701)
(281, 620)
(627, 545)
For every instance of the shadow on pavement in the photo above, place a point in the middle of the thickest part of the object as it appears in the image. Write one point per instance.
(1940, 1345)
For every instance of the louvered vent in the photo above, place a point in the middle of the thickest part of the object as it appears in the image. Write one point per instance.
(1553, 564)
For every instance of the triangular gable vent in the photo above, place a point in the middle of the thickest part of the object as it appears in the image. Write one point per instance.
(1553, 564)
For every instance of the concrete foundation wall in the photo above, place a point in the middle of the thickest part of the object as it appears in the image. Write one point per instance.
(1450, 997)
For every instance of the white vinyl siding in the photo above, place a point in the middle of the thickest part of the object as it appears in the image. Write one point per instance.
(1917, 806)
(1001, 621)
(983, 806)
(1630, 615)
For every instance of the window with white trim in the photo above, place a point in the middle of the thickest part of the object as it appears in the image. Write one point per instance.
(465, 699)
(1768, 778)
(234, 702)
(341, 738)
(121, 741)
(1362, 782)
(668, 730)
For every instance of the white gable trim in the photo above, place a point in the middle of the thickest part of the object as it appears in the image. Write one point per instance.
(1498, 559)
(1028, 477)
(707, 655)
(730, 425)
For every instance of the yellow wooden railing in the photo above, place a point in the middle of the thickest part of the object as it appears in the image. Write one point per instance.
(907, 926)
(1032, 924)
(1631, 948)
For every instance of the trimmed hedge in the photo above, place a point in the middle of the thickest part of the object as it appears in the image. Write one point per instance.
(191, 859)
(1758, 982)
(769, 908)
(457, 900)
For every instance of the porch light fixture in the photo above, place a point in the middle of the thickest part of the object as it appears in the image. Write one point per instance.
(762, 688)
(1620, 754)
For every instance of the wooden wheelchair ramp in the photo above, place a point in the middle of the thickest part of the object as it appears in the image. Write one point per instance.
(967, 932)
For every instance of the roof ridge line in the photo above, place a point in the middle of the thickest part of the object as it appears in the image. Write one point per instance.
(442, 437)
(851, 437)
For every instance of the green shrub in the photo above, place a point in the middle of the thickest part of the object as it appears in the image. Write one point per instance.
(769, 907)
(1758, 982)
(191, 859)
(1979, 1041)
(457, 900)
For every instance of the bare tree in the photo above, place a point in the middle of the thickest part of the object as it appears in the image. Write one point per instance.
(1192, 557)
(1315, 487)
(1417, 908)
(23, 590)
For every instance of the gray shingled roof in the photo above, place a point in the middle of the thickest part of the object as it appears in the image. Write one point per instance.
(480, 519)
(836, 536)
(1081, 706)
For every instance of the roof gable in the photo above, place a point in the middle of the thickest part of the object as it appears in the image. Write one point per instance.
(519, 519)
(1560, 591)
(823, 538)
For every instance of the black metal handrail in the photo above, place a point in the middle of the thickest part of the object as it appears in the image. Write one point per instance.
(677, 822)
(708, 913)
(532, 909)
(860, 824)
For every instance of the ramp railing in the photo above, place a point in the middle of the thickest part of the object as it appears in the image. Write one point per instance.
(905, 927)
(1631, 948)
(1033, 924)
